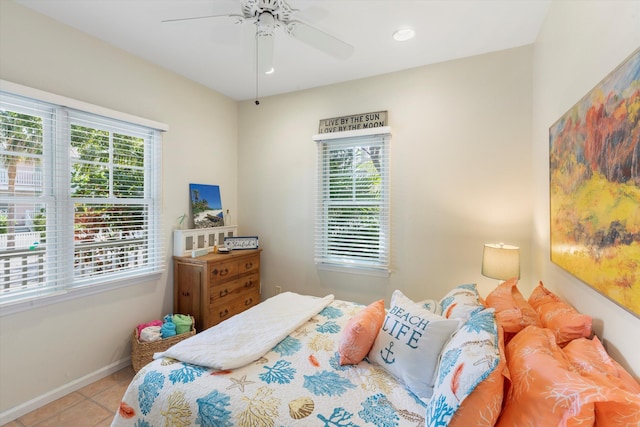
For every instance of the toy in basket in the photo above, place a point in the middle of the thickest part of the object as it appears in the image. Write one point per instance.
(142, 352)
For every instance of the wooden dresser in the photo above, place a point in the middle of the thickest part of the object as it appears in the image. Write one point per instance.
(214, 287)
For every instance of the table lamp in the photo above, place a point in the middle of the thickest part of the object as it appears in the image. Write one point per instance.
(500, 261)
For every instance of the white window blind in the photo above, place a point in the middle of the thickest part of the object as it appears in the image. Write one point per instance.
(352, 211)
(79, 199)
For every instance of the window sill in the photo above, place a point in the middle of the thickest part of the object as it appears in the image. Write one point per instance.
(15, 307)
(378, 272)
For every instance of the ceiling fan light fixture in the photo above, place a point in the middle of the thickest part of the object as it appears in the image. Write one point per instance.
(403, 34)
(266, 24)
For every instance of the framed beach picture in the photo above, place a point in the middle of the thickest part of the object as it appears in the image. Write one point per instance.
(206, 205)
(594, 187)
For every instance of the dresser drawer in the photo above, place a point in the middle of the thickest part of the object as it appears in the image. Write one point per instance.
(223, 271)
(228, 290)
(223, 311)
(249, 264)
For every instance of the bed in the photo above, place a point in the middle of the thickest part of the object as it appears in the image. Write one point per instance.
(335, 363)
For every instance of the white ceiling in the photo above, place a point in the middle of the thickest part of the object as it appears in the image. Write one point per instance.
(220, 53)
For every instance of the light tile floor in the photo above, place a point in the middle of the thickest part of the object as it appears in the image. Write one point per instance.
(92, 405)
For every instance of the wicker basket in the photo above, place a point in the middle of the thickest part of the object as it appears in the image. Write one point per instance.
(142, 352)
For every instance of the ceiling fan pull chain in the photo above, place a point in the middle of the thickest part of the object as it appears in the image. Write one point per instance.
(257, 70)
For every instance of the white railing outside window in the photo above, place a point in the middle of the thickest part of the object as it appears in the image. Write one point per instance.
(29, 179)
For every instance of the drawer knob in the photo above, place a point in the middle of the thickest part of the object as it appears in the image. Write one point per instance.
(223, 293)
(185, 294)
(224, 313)
(248, 301)
(220, 273)
(248, 283)
(248, 265)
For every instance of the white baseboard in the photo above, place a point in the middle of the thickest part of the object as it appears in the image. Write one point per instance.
(33, 404)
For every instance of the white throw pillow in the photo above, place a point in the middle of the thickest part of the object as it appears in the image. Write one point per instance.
(461, 302)
(467, 359)
(409, 344)
(431, 305)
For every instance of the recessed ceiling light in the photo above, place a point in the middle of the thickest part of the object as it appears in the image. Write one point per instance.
(403, 34)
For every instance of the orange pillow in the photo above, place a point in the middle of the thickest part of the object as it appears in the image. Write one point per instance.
(565, 321)
(545, 389)
(360, 332)
(541, 295)
(513, 312)
(591, 360)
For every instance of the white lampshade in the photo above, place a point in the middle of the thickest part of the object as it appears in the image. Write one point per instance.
(500, 261)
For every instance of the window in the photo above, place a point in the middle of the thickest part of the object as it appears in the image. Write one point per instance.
(352, 218)
(79, 200)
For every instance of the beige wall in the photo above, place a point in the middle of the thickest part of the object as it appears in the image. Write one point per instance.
(580, 43)
(44, 352)
(460, 174)
(465, 172)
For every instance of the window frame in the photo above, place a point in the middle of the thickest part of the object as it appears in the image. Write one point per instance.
(68, 288)
(324, 260)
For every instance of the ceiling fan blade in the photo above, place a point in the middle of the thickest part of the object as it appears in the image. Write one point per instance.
(319, 39)
(264, 42)
(265, 53)
(229, 15)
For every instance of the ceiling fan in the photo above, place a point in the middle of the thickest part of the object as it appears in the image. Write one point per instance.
(267, 15)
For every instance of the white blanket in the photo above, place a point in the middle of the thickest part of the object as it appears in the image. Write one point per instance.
(247, 336)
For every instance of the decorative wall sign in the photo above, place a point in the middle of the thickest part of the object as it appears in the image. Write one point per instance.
(355, 122)
(206, 206)
(594, 165)
(241, 242)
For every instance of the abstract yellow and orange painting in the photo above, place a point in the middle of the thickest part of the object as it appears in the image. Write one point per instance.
(594, 166)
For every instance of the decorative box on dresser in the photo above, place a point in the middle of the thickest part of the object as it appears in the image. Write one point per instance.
(214, 287)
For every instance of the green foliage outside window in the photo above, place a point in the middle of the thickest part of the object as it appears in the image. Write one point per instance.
(104, 165)
(354, 190)
(3, 223)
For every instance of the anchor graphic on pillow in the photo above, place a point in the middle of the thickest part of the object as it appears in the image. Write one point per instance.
(388, 359)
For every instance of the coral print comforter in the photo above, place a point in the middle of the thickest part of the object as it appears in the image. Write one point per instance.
(428, 363)
(297, 382)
